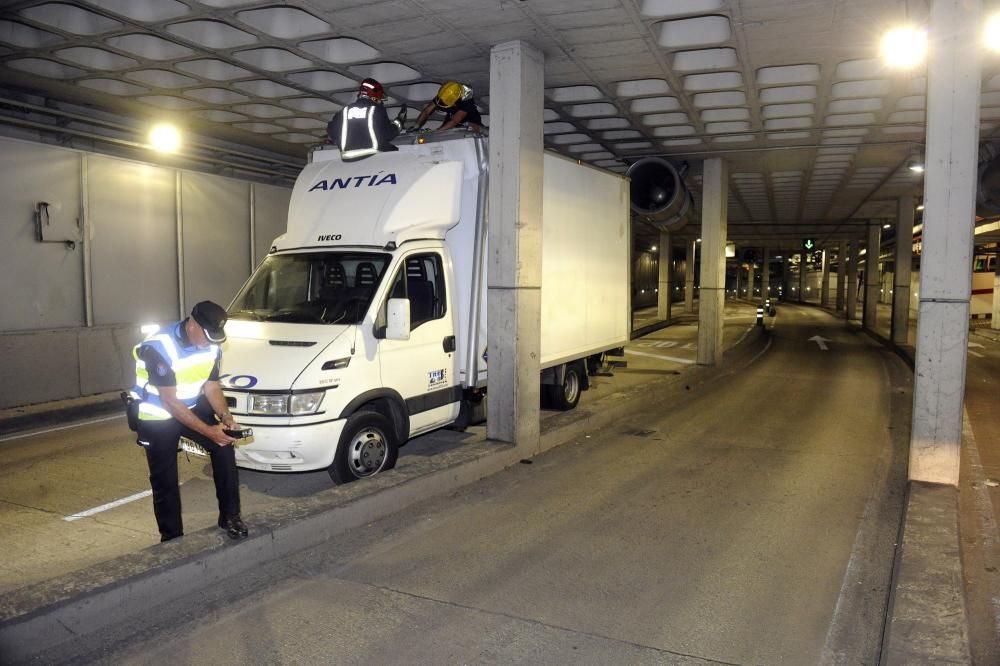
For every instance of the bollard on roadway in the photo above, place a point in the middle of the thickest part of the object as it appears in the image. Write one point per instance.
(760, 315)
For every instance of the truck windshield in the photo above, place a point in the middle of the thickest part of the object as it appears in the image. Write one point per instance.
(312, 288)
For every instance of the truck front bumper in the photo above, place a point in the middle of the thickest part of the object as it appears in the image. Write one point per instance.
(290, 448)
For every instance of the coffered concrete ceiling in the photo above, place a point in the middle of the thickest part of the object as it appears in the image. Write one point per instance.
(817, 130)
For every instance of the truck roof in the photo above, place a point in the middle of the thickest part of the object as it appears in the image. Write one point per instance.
(416, 192)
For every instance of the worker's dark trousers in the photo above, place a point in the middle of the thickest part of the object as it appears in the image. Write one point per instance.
(161, 439)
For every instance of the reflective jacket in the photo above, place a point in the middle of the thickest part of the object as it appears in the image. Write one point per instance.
(362, 129)
(191, 366)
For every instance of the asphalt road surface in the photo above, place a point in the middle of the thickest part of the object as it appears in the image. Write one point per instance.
(753, 521)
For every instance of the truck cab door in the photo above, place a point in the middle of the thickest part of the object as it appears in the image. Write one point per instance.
(423, 368)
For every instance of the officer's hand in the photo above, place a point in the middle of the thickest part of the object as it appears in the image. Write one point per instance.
(401, 116)
(218, 435)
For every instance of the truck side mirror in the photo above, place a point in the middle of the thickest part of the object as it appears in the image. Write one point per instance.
(398, 319)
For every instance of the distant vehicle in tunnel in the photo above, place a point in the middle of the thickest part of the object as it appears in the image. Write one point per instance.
(366, 324)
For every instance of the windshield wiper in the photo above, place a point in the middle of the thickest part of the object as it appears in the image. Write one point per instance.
(295, 316)
(249, 314)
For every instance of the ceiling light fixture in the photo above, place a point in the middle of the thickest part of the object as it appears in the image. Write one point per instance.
(165, 138)
(991, 34)
(904, 47)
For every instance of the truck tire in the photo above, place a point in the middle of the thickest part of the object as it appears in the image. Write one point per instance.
(367, 446)
(565, 396)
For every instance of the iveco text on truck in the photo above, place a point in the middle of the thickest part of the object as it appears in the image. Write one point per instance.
(366, 323)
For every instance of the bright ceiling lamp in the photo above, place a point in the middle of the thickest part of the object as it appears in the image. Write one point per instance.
(904, 47)
(165, 138)
(991, 35)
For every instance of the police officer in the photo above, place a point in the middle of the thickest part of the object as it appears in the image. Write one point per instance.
(458, 104)
(363, 128)
(177, 382)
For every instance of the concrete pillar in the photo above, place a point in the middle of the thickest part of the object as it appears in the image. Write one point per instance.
(786, 278)
(954, 68)
(869, 316)
(900, 331)
(664, 284)
(514, 266)
(751, 279)
(765, 274)
(841, 275)
(824, 286)
(739, 274)
(852, 280)
(995, 316)
(802, 277)
(692, 249)
(711, 297)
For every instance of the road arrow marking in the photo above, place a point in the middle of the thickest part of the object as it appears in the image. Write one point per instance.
(977, 354)
(976, 344)
(821, 341)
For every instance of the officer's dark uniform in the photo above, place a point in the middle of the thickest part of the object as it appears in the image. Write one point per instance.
(163, 356)
(367, 129)
(469, 106)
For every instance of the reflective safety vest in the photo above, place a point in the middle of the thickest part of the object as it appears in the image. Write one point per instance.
(191, 366)
(363, 141)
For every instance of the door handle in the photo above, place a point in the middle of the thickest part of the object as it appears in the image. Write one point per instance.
(449, 344)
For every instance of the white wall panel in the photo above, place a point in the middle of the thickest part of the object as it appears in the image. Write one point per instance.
(42, 282)
(216, 224)
(270, 216)
(133, 215)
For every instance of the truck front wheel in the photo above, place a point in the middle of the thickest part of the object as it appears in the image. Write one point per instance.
(367, 446)
(565, 396)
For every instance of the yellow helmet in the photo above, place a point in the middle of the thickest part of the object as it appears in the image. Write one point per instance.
(449, 94)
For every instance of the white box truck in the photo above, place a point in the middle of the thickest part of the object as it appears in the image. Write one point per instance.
(366, 323)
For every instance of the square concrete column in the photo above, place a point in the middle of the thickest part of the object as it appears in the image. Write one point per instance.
(852, 280)
(841, 275)
(515, 243)
(692, 249)
(711, 296)
(765, 274)
(786, 278)
(900, 331)
(664, 284)
(739, 275)
(995, 317)
(802, 277)
(869, 316)
(954, 68)
(824, 285)
(751, 279)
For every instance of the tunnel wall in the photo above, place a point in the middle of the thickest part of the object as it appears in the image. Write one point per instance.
(158, 237)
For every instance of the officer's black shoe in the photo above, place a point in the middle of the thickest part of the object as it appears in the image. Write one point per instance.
(234, 526)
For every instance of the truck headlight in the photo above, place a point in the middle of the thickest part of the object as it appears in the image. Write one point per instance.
(305, 403)
(262, 403)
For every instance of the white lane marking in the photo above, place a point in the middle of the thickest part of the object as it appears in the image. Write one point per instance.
(821, 341)
(65, 427)
(109, 505)
(976, 354)
(675, 359)
(976, 344)
(761, 352)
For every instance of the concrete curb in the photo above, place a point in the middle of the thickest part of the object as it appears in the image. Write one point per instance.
(55, 616)
(927, 623)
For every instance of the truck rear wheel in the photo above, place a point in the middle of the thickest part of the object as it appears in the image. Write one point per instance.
(565, 396)
(367, 446)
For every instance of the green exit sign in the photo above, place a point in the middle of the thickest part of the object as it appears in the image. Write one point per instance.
(809, 244)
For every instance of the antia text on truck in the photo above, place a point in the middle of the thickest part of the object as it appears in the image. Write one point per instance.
(366, 323)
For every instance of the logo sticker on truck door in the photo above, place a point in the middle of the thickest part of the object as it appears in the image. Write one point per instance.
(437, 379)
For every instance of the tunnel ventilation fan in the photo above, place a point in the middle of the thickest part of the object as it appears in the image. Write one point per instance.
(658, 193)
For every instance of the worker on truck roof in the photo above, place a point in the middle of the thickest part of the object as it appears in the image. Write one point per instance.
(458, 104)
(362, 128)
